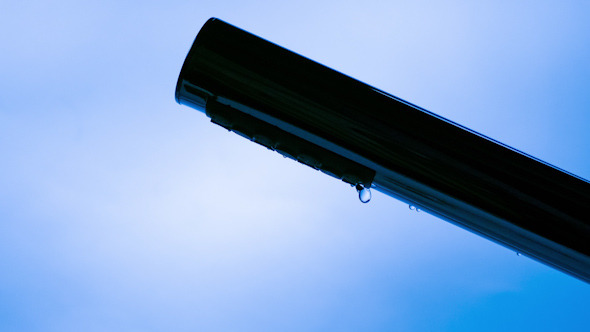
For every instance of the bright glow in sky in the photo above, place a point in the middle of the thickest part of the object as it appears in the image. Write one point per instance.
(123, 211)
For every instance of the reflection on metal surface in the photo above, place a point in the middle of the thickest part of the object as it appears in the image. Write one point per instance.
(365, 136)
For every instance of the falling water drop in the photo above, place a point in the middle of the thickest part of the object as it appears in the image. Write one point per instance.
(364, 193)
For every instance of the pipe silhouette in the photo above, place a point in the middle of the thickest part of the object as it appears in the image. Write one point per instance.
(367, 137)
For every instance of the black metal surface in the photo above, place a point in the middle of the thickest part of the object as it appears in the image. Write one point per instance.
(361, 134)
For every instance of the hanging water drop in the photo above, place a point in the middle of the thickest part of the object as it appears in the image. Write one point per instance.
(418, 210)
(364, 193)
(517, 254)
(411, 207)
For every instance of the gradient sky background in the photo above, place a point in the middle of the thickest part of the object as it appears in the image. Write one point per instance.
(121, 210)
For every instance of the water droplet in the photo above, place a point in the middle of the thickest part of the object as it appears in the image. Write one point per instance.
(418, 210)
(517, 254)
(364, 193)
(412, 207)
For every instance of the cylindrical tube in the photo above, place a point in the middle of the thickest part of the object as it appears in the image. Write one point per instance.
(365, 136)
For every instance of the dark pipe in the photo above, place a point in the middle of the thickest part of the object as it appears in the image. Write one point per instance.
(365, 136)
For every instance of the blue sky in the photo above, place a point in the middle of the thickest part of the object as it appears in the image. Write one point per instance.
(123, 211)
